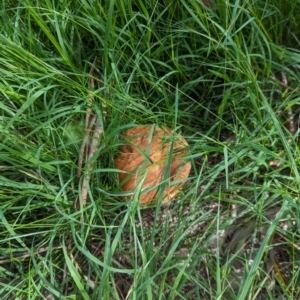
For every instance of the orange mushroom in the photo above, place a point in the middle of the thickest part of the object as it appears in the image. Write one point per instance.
(144, 160)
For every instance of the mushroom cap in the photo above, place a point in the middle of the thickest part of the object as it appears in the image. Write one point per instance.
(144, 160)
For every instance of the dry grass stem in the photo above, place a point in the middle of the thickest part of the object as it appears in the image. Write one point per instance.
(25, 254)
(289, 113)
(91, 142)
(284, 85)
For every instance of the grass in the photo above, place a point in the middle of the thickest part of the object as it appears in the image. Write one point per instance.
(213, 74)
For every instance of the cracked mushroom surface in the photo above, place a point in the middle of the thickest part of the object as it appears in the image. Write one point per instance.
(149, 156)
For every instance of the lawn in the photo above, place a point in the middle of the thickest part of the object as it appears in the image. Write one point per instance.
(76, 75)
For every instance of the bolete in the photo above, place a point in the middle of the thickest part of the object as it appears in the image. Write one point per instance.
(152, 158)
